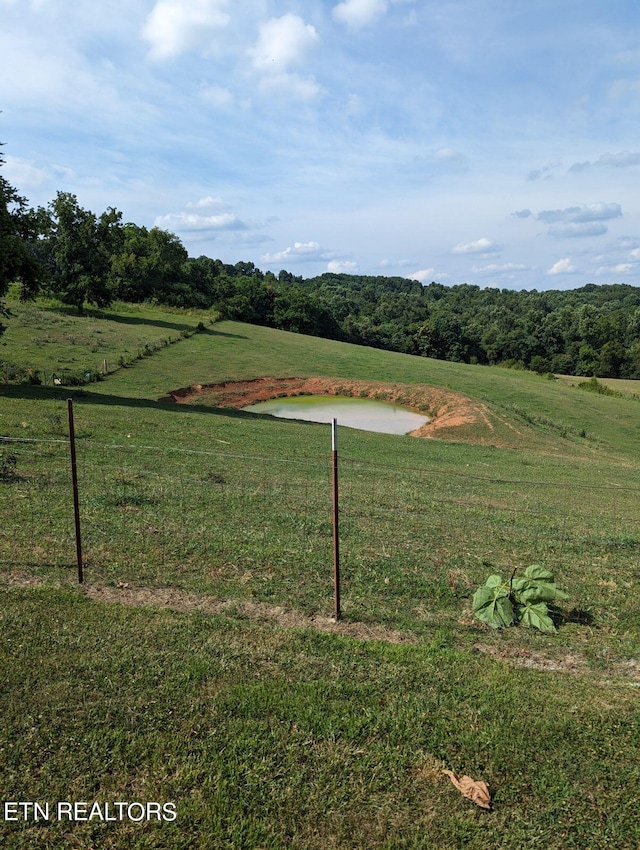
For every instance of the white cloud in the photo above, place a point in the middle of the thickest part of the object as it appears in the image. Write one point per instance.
(283, 42)
(49, 74)
(577, 167)
(480, 246)
(493, 268)
(191, 221)
(626, 243)
(23, 173)
(178, 26)
(300, 251)
(423, 275)
(621, 257)
(582, 220)
(618, 268)
(522, 214)
(577, 229)
(209, 213)
(581, 213)
(623, 159)
(544, 173)
(359, 13)
(342, 267)
(207, 203)
(563, 266)
(26, 175)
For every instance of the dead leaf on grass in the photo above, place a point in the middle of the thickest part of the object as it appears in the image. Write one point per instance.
(478, 791)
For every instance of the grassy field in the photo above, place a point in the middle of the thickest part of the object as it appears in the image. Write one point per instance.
(221, 685)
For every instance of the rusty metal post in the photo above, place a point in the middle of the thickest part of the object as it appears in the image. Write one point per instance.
(336, 532)
(74, 480)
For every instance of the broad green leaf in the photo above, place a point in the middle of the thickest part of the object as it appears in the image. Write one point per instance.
(489, 593)
(504, 612)
(493, 606)
(529, 591)
(538, 586)
(540, 573)
(522, 584)
(537, 617)
(495, 581)
(482, 597)
(540, 591)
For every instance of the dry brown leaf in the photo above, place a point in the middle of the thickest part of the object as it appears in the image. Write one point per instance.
(478, 791)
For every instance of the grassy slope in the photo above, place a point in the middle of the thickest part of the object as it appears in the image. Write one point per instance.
(271, 738)
(232, 351)
(50, 338)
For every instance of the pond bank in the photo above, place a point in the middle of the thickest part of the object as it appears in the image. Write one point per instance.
(448, 411)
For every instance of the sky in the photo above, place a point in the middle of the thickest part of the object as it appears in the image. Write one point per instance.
(490, 142)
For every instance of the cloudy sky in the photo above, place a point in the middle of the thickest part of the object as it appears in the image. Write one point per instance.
(494, 142)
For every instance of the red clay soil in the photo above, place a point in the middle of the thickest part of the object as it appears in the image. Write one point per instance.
(451, 415)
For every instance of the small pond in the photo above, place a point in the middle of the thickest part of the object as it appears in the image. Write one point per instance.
(367, 414)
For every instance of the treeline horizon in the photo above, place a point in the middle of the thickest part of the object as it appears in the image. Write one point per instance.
(71, 253)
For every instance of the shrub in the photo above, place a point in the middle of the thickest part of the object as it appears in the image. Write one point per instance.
(593, 385)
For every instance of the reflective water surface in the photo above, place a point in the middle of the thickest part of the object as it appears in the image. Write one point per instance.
(367, 414)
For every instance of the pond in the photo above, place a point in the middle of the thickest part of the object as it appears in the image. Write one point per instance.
(367, 414)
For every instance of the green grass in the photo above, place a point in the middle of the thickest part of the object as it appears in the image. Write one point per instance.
(272, 737)
(46, 339)
(290, 739)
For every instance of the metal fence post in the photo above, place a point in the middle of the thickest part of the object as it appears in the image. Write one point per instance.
(74, 480)
(336, 532)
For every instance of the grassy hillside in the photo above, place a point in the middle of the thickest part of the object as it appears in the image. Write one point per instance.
(223, 696)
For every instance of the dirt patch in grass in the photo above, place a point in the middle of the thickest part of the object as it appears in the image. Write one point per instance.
(452, 415)
(186, 603)
(19, 578)
(570, 663)
(625, 672)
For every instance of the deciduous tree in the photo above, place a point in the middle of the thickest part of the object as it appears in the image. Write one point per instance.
(80, 251)
(19, 228)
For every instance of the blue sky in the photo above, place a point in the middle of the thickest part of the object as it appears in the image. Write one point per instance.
(478, 141)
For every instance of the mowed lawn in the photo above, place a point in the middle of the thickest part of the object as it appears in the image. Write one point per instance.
(222, 687)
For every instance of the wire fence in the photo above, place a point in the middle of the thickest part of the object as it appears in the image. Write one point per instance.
(261, 527)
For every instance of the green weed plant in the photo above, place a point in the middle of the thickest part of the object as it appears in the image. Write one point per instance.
(519, 601)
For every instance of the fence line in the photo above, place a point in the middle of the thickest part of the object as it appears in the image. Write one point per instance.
(236, 524)
(371, 465)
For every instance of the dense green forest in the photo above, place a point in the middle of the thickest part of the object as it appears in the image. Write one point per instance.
(83, 258)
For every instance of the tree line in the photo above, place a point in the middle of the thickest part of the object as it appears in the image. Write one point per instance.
(83, 258)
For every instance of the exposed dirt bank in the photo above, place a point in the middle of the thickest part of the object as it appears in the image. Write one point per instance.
(451, 414)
